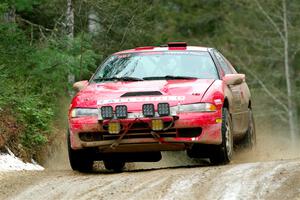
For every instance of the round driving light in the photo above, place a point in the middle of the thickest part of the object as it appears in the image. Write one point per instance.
(107, 112)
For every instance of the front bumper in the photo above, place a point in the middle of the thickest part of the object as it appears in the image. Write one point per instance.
(175, 138)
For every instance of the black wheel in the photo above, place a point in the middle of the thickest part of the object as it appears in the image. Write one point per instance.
(222, 154)
(114, 165)
(249, 141)
(80, 160)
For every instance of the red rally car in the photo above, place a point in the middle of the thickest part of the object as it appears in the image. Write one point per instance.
(150, 99)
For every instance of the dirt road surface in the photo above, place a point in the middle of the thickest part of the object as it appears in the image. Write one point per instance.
(272, 172)
(257, 180)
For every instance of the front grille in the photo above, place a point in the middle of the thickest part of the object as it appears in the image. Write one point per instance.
(131, 134)
(189, 132)
(140, 125)
(141, 130)
(90, 136)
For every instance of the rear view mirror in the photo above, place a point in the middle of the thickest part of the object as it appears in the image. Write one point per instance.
(234, 79)
(80, 85)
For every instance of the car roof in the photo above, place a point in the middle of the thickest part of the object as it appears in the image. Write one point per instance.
(163, 48)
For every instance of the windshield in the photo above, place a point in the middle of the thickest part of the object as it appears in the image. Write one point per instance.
(157, 65)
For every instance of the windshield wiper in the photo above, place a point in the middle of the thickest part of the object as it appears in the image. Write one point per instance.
(124, 78)
(168, 77)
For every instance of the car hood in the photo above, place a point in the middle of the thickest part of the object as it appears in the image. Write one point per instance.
(139, 92)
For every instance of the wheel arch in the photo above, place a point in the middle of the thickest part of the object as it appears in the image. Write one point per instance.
(226, 103)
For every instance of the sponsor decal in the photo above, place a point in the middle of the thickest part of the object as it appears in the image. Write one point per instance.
(218, 101)
(141, 99)
(123, 55)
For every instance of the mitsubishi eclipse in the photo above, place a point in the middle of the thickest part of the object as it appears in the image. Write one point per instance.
(142, 101)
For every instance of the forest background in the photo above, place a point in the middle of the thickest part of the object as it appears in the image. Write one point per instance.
(45, 45)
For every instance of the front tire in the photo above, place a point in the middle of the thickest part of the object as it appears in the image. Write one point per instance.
(222, 154)
(79, 160)
(249, 141)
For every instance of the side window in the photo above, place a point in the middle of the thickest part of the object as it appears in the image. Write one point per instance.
(223, 63)
(230, 66)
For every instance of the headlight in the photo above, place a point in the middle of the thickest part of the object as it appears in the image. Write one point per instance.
(148, 110)
(197, 107)
(121, 111)
(163, 109)
(79, 112)
(107, 112)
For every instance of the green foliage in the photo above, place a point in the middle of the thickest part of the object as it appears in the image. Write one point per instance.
(23, 5)
(34, 76)
(3, 8)
(37, 57)
(51, 65)
(35, 115)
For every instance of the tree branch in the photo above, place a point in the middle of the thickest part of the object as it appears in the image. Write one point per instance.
(34, 24)
(126, 30)
(270, 20)
(262, 85)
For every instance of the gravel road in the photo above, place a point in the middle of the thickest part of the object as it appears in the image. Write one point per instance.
(257, 180)
(272, 172)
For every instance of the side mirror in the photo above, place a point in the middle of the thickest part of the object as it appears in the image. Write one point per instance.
(234, 79)
(80, 85)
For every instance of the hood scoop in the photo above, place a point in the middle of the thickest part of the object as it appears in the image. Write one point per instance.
(144, 93)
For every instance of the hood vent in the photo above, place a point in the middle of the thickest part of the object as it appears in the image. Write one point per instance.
(146, 93)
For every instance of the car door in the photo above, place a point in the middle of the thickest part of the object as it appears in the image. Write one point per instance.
(239, 105)
(245, 101)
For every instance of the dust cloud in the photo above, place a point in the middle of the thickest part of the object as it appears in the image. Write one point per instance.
(273, 143)
(57, 156)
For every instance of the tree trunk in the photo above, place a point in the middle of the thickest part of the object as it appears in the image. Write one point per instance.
(70, 34)
(93, 24)
(10, 15)
(291, 106)
(70, 19)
